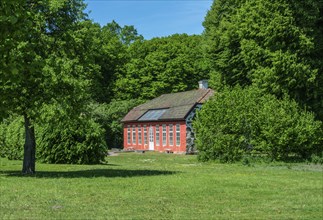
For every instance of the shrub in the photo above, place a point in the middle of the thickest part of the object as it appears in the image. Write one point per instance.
(285, 130)
(59, 138)
(109, 116)
(239, 122)
(12, 138)
(224, 126)
(317, 159)
(71, 141)
(3, 128)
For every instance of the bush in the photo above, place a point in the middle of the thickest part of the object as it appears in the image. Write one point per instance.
(3, 128)
(317, 159)
(71, 141)
(109, 116)
(241, 122)
(59, 138)
(286, 131)
(12, 138)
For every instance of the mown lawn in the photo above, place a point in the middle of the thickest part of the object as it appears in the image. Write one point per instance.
(161, 186)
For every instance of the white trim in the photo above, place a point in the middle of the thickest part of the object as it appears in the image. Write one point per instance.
(157, 135)
(145, 135)
(164, 136)
(151, 138)
(139, 135)
(171, 134)
(134, 134)
(178, 134)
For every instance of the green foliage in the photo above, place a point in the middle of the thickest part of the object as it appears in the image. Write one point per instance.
(109, 116)
(61, 139)
(33, 75)
(286, 130)
(71, 140)
(161, 65)
(12, 138)
(49, 59)
(274, 45)
(222, 46)
(126, 34)
(317, 159)
(241, 122)
(109, 49)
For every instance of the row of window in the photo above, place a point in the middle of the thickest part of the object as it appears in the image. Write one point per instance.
(134, 133)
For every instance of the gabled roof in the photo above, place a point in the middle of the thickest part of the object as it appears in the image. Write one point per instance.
(174, 106)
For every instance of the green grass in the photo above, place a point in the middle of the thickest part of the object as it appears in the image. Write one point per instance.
(161, 186)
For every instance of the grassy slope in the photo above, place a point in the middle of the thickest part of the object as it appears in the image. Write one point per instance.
(160, 186)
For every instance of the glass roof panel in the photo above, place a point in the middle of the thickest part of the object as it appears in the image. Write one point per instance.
(152, 115)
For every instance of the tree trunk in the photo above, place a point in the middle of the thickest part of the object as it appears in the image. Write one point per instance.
(29, 148)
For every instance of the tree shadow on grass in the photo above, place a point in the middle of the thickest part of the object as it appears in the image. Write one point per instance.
(92, 173)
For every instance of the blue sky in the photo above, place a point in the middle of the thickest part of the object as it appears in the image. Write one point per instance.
(152, 18)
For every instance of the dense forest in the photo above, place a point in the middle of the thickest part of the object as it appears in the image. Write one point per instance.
(66, 81)
(267, 64)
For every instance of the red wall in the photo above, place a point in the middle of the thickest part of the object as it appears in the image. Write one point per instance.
(136, 146)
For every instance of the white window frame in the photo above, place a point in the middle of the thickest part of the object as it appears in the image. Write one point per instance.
(178, 134)
(164, 134)
(134, 133)
(128, 135)
(145, 135)
(171, 134)
(139, 135)
(157, 135)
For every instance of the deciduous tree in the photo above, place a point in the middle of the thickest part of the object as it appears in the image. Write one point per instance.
(161, 65)
(42, 61)
(243, 122)
(274, 45)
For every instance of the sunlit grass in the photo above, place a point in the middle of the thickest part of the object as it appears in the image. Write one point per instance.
(161, 186)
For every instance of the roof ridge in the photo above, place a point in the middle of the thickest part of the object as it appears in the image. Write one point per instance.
(192, 90)
(208, 91)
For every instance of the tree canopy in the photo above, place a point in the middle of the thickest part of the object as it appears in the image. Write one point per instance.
(161, 65)
(273, 45)
(45, 61)
(266, 60)
(240, 123)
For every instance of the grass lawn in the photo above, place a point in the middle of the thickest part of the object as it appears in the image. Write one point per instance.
(161, 186)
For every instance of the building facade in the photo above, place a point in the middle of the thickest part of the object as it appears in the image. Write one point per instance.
(164, 124)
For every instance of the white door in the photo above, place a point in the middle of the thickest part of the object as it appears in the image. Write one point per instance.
(151, 138)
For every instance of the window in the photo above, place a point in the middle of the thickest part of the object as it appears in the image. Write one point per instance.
(157, 135)
(153, 115)
(139, 135)
(133, 134)
(164, 135)
(151, 134)
(145, 134)
(178, 135)
(171, 135)
(128, 134)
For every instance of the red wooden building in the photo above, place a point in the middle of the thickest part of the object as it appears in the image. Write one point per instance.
(165, 123)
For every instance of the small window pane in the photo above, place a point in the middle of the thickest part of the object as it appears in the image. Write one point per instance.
(171, 135)
(128, 134)
(157, 135)
(139, 135)
(178, 135)
(164, 135)
(145, 134)
(134, 135)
